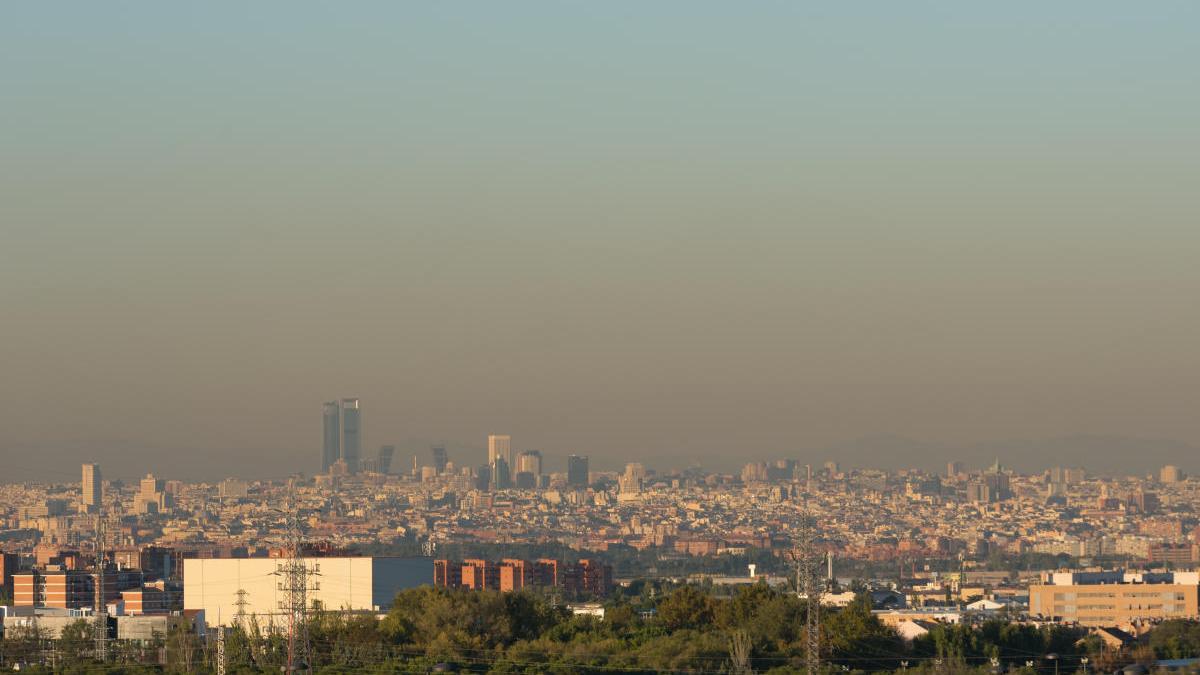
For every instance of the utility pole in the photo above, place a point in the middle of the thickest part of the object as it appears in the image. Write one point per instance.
(220, 650)
(100, 620)
(807, 561)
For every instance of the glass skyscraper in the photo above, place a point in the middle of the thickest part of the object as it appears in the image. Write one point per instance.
(577, 471)
(351, 434)
(332, 450)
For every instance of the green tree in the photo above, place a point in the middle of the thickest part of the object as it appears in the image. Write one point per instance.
(1176, 639)
(75, 643)
(857, 638)
(685, 607)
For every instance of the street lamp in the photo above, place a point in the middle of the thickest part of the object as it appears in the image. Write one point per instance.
(1053, 657)
(1084, 661)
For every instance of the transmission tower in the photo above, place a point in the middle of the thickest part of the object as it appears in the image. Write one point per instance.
(220, 650)
(295, 584)
(100, 620)
(240, 603)
(807, 562)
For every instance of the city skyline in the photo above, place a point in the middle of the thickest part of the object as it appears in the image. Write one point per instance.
(683, 336)
(1135, 457)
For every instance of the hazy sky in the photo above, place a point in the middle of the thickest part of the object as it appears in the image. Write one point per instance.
(675, 232)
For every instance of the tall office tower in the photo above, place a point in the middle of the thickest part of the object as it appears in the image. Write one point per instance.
(152, 495)
(635, 472)
(331, 447)
(332, 450)
(501, 475)
(500, 446)
(93, 489)
(577, 471)
(483, 477)
(954, 469)
(386, 452)
(635, 476)
(530, 461)
(439, 458)
(351, 434)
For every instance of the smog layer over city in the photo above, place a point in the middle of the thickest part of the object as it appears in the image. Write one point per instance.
(554, 337)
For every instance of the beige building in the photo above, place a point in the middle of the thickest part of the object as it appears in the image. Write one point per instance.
(1115, 598)
(500, 447)
(92, 492)
(1170, 474)
(355, 583)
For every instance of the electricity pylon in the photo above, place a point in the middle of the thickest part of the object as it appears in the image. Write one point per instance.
(100, 620)
(807, 563)
(295, 585)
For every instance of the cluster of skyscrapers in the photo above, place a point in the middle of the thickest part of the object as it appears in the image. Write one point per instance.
(341, 453)
(343, 435)
(503, 473)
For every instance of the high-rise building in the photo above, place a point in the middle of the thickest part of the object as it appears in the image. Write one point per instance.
(386, 452)
(351, 434)
(332, 449)
(152, 495)
(500, 446)
(93, 489)
(1170, 474)
(1065, 475)
(530, 461)
(233, 488)
(1057, 476)
(954, 469)
(501, 475)
(577, 471)
(634, 477)
(439, 458)
(483, 477)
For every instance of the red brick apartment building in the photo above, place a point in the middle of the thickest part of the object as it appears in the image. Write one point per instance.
(587, 577)
(70, 589)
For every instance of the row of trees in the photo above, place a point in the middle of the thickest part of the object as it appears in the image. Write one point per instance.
(683, 629)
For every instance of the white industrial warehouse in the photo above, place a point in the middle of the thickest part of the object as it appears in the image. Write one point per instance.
(337, 583)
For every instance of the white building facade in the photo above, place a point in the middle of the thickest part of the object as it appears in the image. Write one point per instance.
(354, 583)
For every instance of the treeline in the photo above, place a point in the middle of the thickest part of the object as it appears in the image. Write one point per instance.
(682, 629)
